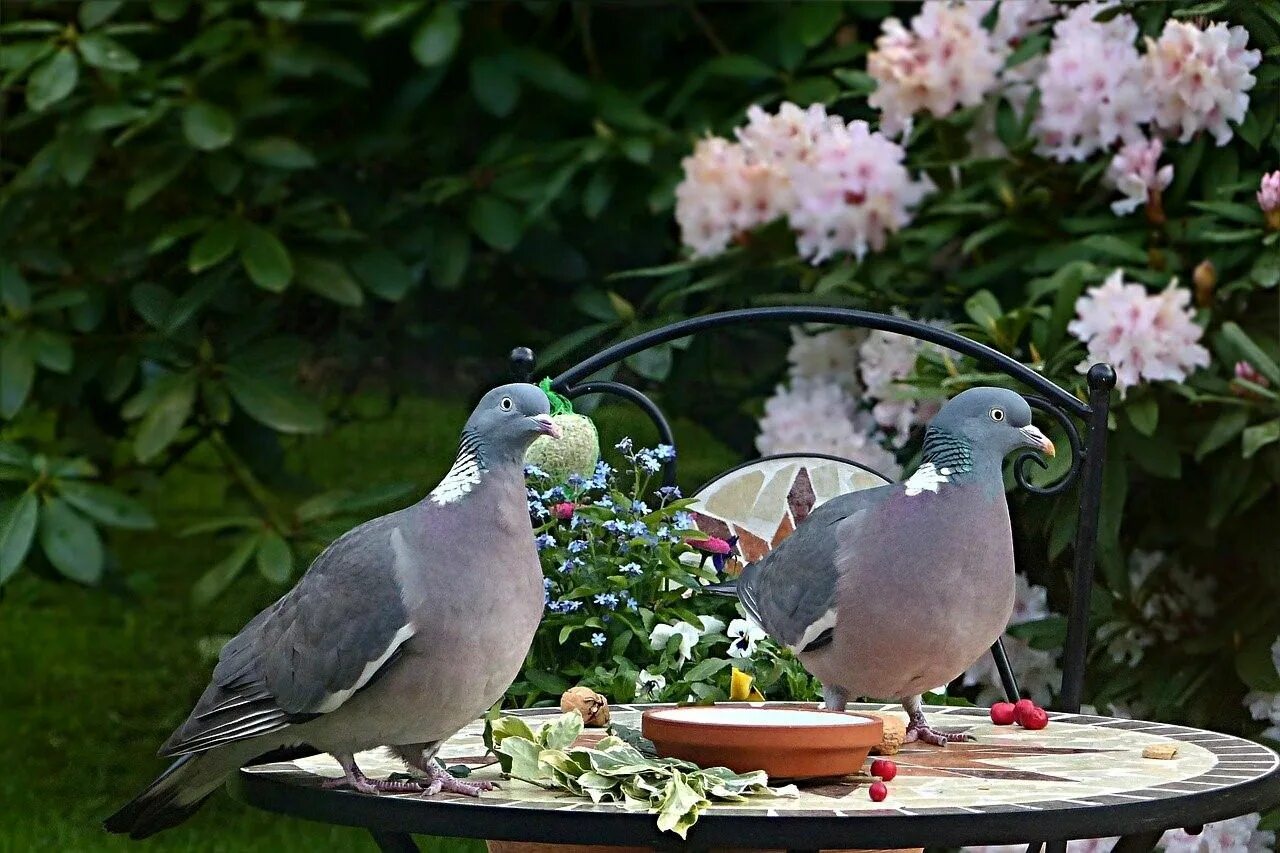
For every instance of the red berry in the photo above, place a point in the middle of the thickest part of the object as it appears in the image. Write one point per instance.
(1035, 719)
(878, 791)
(1003, 713)
(884, 768)
(1021, 707)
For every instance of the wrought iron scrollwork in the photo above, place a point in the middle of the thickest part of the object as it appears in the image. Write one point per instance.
(650, 408)
(1030, 456)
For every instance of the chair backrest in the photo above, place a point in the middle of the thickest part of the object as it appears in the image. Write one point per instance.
(1087, 453)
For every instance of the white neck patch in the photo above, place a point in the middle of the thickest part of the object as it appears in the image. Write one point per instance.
(462, 477)
(927, 478)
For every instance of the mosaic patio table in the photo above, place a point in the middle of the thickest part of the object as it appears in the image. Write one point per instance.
(1082, 777)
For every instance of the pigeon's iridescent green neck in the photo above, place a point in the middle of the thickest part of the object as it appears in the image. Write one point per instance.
(948, 450)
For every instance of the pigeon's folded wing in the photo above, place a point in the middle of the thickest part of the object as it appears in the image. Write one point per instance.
(791, 593)
(305, 655)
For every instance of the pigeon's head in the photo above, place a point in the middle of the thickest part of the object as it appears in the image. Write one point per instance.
(510, 417)
(996, 420)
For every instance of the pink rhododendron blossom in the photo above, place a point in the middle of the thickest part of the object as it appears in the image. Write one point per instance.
(1269, 192)
(1093, 89)
(1237, 835)
(1144, 336)
(829, 356)
(944, 61)
(786, 137)
(725, 192)
(852, 193)
(1134, 172)
(1200, 78)
(814, 416)
(885, 359)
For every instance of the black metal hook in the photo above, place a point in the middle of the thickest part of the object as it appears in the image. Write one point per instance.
(1026, 457)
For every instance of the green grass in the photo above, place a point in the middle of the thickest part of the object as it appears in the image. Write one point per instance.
(94, 679)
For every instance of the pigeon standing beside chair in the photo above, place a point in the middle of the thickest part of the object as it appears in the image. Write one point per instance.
(890, 591)
(404, 630)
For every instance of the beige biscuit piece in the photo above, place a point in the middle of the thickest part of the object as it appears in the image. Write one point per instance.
(895, 733)
(1163, 751)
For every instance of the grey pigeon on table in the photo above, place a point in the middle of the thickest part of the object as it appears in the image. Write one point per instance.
(894, 590)
(401, 632)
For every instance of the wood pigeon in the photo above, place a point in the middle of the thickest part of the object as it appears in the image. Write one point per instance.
(401, 632)
(891, 591)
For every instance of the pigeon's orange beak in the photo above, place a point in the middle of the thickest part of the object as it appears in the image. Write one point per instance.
(546, 426)
(1039, 440)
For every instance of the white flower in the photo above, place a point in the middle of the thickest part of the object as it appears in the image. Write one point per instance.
(661, 635)
(1037, 669)
(813, 416)
(885, 359)
(1237, 835)
(1093, 87)
(786, 137)
(724, 192)
(711, 625)
(851, 193)
(945, 61)
(1171, 603)
(743, 636)
(1145, 337)
(830, 356)
(1133, 171)
(1199, 78)
(649, 685)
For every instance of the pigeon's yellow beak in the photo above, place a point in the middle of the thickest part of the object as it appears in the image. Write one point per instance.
(546, 426)
(1039, 440)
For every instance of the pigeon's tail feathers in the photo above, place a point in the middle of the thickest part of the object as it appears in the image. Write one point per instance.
(173, 797)
(727, 588)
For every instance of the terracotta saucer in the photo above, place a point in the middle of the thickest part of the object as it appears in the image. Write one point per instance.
(786, 743)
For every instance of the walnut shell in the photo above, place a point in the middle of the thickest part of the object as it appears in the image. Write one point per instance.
(593, 707)
(895, 733)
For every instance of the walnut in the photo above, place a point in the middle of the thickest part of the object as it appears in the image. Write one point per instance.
(593, 707)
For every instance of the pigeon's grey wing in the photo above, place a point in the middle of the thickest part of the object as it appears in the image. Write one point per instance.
(308, 653)
(791, 592)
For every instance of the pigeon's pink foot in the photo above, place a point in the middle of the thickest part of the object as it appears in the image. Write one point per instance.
(354, 778)
(442, 780)
(918, 728)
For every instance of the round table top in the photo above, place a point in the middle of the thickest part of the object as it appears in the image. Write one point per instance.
(1081, 777)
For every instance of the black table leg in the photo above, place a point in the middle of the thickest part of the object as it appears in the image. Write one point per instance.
(1144, 843)
(394, 842)
(1056, 847)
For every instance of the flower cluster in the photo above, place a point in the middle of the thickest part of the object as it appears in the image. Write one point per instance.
(1136, 172)
(1199, 78)
(944, 61)
(1037, 669)
(1170, 602)
(1269, 199)
(814, 417)
(842, 187)
(1144, 336)
(885, 360)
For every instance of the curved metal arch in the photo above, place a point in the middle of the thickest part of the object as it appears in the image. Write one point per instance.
(833, 316)
(650, 408)
(1030, 456)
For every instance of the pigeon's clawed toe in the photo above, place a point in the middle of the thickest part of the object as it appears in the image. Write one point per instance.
(442, 781)
(355, 779)
(925, 734)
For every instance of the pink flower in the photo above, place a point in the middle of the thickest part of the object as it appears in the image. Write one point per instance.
(1093, 89)
(784, 138)
(1145, 337)
(1269, 199)
(1199, 78)
(946, 60)
(724, 193)
(1133, 171)
(563, 511)
(852, 193)
(712, 545)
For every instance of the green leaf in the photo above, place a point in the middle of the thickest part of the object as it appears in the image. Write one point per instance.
(448, 256)
(215, 244)
(207, 126)
(1143, 413)
(17, 373)
(15, 293)
(215, 581)
(52, 350)
(329, 279)
(169, 10)
(1228, 425)
(813, 22)
(274, 402)
(494, 85)
(496, 222)
(739, 66)
(71, 542)
(984, 309)
(704, 669)
(383, 273)
(275, 558)
(1257, 437)
(1115, 247)
(105, 505)
(279, 152)
(653, 363)
(76, 152)
(597, 193)
(104, 52)
(1266, 269)
(156, 177)
(1251, 352)
(546, 72)
(1255, 665)
(17, 530)
(265, 258)
(95, 12)
(547, 682)
(437, 38)
(561, 732)
(285, 10)
(52, 80)
(165, 417)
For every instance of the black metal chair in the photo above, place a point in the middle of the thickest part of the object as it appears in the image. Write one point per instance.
(1087, 454)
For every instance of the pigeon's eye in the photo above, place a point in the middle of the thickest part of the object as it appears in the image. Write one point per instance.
(506, 404)
(997, 414)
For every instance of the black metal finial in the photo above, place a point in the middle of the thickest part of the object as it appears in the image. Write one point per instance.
(521, 360)
(1101, 375)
